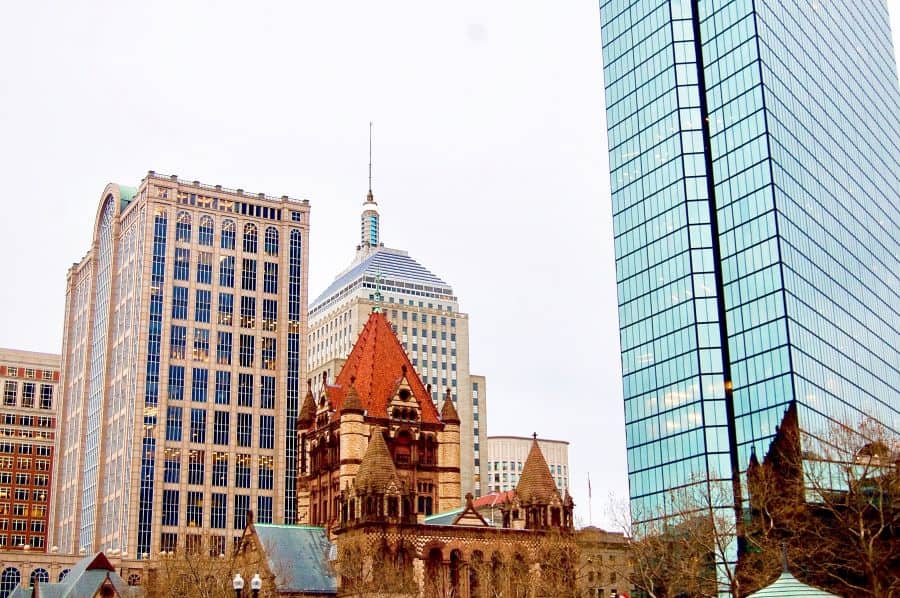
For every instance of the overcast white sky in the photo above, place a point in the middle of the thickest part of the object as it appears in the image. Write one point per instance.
(490, 166)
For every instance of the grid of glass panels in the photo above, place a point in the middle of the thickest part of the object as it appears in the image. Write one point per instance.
(97, 374)
(833, 117)
(789, 114)
(676, 421)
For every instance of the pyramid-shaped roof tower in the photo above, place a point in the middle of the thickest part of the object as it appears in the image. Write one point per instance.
(376, 367)
(536, 483)
(377, 469)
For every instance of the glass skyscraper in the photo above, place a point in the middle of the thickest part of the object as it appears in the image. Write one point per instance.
(755, 174)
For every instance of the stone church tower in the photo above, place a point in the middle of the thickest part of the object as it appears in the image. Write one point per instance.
(373, 441)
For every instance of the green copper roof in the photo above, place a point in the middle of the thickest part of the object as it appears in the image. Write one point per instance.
(127, 194)
(298, 556)
(445, 518)
(788, 586)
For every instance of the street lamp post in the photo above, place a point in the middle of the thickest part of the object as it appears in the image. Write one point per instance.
(238, 584)
(256, 585)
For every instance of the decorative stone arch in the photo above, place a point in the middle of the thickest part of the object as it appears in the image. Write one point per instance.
(456, 544)
(428, 547)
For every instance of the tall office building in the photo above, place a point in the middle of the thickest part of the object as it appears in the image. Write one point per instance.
(424, 313)
(506, 455)
(182, 368)
(27, 438)
(755, 177)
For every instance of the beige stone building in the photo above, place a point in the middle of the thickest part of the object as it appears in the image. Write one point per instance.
(425, 315)
(182, 369)
(29, 422)
(604, 564)
(506, 458)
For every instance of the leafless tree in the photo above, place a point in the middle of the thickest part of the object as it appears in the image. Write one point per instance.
(190, 572)
(835, 506)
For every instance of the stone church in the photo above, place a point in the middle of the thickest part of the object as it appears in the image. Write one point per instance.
(378, 474)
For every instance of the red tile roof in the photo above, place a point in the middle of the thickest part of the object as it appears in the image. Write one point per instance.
(494, 499)
(376, 366)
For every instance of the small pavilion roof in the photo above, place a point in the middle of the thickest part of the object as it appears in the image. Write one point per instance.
(788, 586)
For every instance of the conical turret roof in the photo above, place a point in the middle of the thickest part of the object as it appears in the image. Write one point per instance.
(377, 469)
(536, 483)
(448, 410)
(308, 408)
(351, 400)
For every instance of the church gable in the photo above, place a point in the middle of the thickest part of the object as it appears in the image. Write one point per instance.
(384, 378)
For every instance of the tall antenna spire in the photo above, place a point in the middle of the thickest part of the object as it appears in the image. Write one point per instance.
(369, 224)
(370, 158)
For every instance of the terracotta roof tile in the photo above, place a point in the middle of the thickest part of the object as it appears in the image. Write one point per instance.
(494, 499)
(448, 411)
(377, 469)
(536, 483)
(351, 400)
(308, 409)
(376, 365)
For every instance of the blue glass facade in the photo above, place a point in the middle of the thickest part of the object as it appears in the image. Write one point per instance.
(755, 172)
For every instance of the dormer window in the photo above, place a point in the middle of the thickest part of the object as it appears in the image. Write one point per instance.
(404, 394)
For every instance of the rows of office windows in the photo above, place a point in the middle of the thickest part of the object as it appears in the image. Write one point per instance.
(14, 371)
(336, 335)
(151, 388)
(668, 311)
(29, 397)
(195, 464)
(200, 424)
(248, 392)
(98, 347)
(205, 234)
(216, 516)
(249, 272)
(246, 347)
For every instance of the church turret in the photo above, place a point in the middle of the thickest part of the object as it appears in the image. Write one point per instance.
(538, 503)
(354, 435)
(449, 491)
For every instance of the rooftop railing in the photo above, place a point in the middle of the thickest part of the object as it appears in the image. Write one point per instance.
(219, 188)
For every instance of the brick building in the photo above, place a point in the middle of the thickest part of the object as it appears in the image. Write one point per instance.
(29, 382)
